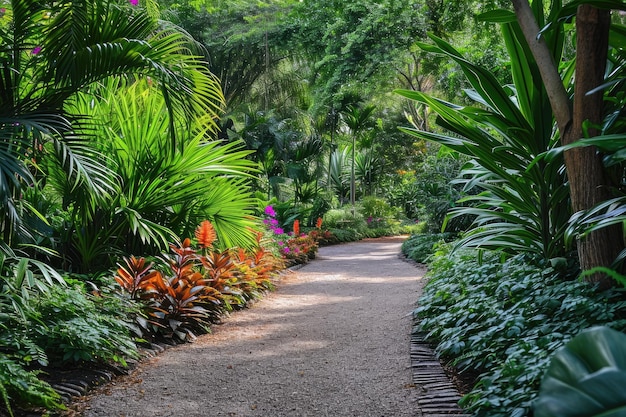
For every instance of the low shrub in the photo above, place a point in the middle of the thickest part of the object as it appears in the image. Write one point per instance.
(194, 285)
(57, 324)
(419, 247)
(74, 326)
(344, 219)
(23, 387)
(503, 320)
(345, 235)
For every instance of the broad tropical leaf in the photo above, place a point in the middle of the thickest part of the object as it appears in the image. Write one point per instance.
(517, 197)
(586, 377)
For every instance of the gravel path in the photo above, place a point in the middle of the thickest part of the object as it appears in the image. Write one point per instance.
(332, 340)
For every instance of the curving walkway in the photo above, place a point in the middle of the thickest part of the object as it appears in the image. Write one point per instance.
(332, 340)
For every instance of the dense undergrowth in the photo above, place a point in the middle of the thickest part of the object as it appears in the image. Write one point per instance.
(94, 320)
(502, 319)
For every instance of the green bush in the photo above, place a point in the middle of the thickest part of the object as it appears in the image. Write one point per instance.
(376, 207)
(344, 219)
(504, 320)
(18, 352)
(71, 325)
(345, 235)
(419, 247)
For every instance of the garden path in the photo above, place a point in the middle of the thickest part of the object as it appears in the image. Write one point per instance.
(332, 340)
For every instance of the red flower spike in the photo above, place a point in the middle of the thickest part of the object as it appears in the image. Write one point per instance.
(296, 227)
(205, 234)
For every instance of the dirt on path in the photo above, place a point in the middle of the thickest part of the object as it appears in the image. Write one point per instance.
(332, 340)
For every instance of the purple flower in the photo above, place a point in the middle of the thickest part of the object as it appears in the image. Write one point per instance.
(134, 2)
(279, 231)
(2, 12)
(36, 50)
(286, 249)
(274, 222)
(269, 210)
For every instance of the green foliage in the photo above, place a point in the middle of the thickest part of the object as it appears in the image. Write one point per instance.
(24, 388)
(345, 235)
(344, 219)
(351, 43)
(18, 352)
(437, 193)
(237, 36)
(585, 377)
(521, 200)
(50, 52)
(320, 206)
(43, 322)
(161, 188)
(285, 156)
(72, 326)
(376, 207)
(419, 247)
(504, 319)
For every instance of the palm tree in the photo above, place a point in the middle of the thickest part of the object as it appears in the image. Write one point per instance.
(49, 51)
(358, 120)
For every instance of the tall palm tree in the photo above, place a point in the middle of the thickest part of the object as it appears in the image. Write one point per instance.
(358, 120)
(49, 51)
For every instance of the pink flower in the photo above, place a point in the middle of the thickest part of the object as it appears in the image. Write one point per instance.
(286, 249)
(269, 210)
(134, 2)
(279, 231)
(36, 50)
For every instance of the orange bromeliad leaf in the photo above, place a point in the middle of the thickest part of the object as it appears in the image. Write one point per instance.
(318, 223)
(205, 234)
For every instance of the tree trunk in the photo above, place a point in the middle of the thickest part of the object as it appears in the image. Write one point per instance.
(585, 171)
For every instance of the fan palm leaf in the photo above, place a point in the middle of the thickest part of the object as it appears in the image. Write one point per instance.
(51, 51)
(162, 193)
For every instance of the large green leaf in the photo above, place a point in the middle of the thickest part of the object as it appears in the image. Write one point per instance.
(586, 378)
(50, 52)
(517, 196)
(162, 192)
